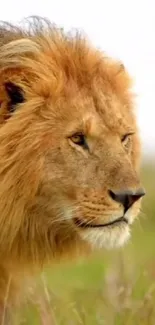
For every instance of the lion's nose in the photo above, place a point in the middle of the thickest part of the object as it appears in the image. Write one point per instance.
(127, 197)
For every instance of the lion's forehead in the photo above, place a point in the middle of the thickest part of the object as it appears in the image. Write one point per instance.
(97, 114)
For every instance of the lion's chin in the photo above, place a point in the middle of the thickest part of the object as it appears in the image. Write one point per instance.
(109, 238)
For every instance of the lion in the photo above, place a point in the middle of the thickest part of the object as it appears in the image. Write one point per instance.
(70, 150)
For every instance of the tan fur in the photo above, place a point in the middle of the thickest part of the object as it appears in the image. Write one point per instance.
(46, 180)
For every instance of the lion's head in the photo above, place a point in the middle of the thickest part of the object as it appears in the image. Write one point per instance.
(69, 144)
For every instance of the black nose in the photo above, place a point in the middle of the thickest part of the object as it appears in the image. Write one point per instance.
(127, 197)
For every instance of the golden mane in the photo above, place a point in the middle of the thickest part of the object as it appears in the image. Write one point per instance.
(29, 48)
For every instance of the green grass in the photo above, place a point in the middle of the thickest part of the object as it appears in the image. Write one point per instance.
(112, 288)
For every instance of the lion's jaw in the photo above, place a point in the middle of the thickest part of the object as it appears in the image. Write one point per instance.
(101, 234)
(110, 236)
(107, 238)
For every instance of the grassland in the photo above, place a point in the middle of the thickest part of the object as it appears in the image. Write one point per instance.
(112, 288)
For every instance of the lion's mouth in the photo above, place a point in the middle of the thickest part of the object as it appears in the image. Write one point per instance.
(83, 224)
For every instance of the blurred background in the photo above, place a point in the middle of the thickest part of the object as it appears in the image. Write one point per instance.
(111, 288)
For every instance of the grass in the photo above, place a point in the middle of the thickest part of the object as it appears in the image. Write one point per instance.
(112, 288)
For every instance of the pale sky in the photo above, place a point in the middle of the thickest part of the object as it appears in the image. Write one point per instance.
(123, 29)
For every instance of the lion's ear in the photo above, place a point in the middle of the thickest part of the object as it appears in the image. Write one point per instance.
(121, 69)
(15, 95)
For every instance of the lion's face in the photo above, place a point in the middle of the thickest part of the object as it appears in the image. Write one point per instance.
(92, 169)
(71, 151)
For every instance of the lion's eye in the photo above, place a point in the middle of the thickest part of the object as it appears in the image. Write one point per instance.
(80, 140)
(126, 141)
(126, 137)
